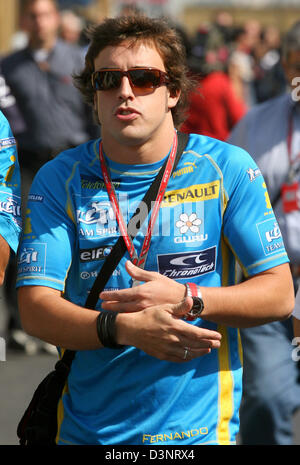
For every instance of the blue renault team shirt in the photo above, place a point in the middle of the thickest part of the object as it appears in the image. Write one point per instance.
(216, 212)
(10, 189)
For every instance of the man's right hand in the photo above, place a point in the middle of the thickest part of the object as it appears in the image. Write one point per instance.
(160, 332)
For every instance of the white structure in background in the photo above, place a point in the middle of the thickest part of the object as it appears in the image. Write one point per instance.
(2, 350)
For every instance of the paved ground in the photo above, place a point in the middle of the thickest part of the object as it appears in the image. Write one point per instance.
(19, 376)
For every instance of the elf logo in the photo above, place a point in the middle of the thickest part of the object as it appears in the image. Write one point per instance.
(99, 253)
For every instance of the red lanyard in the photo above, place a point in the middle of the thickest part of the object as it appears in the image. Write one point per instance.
(139, 261)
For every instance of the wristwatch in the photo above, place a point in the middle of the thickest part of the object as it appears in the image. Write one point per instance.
(192, 290)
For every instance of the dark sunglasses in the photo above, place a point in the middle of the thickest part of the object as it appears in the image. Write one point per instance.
(144, 79)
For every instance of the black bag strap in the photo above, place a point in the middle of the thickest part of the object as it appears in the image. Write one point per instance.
(119, 248)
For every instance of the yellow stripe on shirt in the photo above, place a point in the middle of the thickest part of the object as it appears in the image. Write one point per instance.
(60, 407)
(226, 404)
(225, 389)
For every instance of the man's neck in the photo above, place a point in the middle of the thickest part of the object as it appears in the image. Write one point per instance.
(46, 44)
(148, 152)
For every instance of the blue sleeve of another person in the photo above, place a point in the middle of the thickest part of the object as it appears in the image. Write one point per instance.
(10, 186)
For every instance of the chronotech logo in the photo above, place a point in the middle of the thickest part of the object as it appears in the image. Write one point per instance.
(189, 264)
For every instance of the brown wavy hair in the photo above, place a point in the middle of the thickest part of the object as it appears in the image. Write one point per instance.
(133, 29)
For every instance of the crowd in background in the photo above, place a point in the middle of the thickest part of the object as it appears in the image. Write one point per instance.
(248, 53)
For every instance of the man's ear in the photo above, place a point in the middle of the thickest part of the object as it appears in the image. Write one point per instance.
(95, 106)
(95, 109)
(173, 98)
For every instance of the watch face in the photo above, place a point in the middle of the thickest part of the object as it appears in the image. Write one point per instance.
(196, 309)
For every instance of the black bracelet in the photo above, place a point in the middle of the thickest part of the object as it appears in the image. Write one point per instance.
(106, 330)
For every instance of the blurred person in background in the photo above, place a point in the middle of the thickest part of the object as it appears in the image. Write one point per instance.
(269, 78)
(241, 62)
(215, 106)
(296, 317)
(252, 34)
(71, 27)
(270, 132)
(220, 32)
(40, 79)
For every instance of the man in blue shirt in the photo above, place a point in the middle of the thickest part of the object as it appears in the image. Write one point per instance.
(158, 375)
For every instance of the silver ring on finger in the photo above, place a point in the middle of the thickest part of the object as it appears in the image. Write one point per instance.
(186, 353)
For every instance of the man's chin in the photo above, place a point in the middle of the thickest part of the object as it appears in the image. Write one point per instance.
(132, 138)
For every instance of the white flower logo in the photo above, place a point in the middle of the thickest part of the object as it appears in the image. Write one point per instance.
(187, 222)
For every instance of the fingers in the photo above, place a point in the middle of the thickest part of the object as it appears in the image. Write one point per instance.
(130, 296)
(181, 308)
(151, 291)
(185, 355)
(167, 338)
(122, 295)
(138, 273)
(191, 336)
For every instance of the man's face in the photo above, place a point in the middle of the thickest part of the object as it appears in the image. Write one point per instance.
(127, 116)
(41, 21)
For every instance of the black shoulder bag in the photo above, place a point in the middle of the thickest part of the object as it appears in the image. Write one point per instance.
(38, 425)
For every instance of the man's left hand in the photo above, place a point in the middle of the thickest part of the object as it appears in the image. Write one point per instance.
(157, 289)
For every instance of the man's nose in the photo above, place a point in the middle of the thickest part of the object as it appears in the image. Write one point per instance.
(125, 89)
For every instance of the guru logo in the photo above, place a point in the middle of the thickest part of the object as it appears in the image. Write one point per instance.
(189, 227)
(188, 222)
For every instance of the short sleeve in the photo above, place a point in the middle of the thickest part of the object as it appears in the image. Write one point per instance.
(250, 225)
(48, 240)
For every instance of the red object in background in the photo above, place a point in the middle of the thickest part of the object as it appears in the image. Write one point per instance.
(290, 197)
(214, 107)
